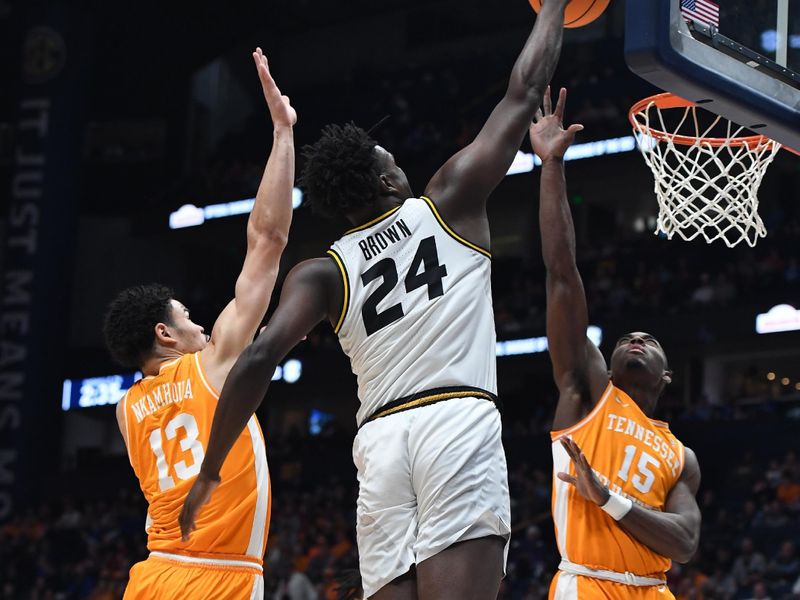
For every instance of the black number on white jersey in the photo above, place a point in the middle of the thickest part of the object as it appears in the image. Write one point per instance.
(432, 275)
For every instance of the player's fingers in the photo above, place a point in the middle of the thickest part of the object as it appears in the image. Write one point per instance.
(562, 99)
(547, 102)
(568, 478)
(538, 116)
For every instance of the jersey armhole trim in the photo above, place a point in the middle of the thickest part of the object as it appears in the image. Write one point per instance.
(346, 288)
(452, 233)
(203, 378)
(127, 439)
(557, 435)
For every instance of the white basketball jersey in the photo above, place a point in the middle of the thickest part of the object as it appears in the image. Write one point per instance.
(417, 311)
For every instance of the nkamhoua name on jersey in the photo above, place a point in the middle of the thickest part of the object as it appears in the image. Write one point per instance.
(164, 395)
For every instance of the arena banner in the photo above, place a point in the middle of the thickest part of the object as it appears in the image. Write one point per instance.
(38, 241)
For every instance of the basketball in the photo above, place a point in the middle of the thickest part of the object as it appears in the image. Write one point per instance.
(578, 12)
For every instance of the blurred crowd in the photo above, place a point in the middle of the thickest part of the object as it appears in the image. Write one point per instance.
(69, 550)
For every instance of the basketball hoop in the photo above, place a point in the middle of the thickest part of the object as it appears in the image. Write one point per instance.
(706, 186)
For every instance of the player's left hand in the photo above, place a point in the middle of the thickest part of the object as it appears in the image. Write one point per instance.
(549, 139)
(584, 480)
(199, 495)
(280, 109)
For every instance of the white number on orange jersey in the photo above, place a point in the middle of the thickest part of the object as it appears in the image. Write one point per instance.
(643, 480)
(189, 442)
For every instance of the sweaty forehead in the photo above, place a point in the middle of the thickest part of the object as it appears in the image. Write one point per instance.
(641, 334)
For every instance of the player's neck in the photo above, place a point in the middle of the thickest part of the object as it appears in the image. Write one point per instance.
(645, 398)
(152, 365)
(368, 213)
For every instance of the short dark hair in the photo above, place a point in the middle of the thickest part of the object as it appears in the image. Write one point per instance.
(130, 320)
(341, 170)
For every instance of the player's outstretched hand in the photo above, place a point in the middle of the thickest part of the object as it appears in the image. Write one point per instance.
(280, 109)
(584, 480)
(199, 495)
(548, 137)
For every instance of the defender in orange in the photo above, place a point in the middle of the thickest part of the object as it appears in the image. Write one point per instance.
(166, 417)
(624, 486)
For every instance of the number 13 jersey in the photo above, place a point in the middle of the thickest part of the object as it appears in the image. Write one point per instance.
(168, 422)
(417, 308)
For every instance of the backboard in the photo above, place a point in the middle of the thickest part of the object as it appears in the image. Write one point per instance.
(736, 58)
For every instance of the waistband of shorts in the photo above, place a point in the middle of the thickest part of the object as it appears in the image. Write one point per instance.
(626, 578)
(211, 563)
(432, 396)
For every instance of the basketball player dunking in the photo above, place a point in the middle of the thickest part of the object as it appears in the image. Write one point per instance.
(408, 292)
(624, 486)
(166, 417)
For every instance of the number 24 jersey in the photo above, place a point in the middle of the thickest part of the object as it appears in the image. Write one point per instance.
(417, 310)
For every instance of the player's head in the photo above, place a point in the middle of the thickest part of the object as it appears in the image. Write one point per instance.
(638, 359)
(144, 320)
(346, 171)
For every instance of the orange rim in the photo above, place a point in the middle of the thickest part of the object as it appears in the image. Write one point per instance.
(667, 100)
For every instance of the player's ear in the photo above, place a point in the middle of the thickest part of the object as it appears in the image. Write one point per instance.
(164, 336)
(667, 377)
(387, 185)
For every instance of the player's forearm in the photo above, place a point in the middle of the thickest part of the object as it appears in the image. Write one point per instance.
(667, 534)
(272, 211)
(537, 61)
(241, 396)
(555, 222)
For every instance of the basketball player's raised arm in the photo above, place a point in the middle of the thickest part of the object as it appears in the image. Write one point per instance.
(460, 188)
(578, 367)
(311, 293)
(267, 232)
(675, 532)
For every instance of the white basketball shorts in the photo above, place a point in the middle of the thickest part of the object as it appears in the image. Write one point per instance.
(428, 478)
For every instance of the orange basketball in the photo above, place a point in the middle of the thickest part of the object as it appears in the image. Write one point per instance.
(578, 12)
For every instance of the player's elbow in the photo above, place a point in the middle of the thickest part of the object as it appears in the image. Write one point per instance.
(686, 547)
(267, 239)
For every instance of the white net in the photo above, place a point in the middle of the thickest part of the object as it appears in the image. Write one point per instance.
(705, 186)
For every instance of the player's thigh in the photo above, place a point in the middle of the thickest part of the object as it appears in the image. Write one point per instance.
(459, 474)
(386, 511)
(470, 570)
(163, 580)
(402, 588)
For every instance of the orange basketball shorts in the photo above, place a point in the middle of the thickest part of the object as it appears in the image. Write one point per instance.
(164, 579)
(567, 586)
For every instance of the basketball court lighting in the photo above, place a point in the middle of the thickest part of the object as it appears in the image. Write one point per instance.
(785, 381)
(771, 376)
(782, 317)
(190, 215)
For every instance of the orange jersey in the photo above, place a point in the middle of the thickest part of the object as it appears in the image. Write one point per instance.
(634, 456)
(168, 422)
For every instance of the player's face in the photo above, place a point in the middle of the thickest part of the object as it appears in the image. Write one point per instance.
(191, 336)
(395, 177)
(639, 352)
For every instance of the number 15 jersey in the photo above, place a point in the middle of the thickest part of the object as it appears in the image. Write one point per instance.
(417, 308)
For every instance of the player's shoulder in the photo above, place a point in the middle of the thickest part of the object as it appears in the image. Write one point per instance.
(691, 469)
(321, 270)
